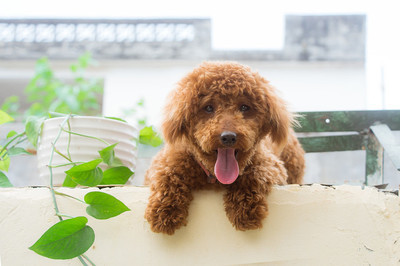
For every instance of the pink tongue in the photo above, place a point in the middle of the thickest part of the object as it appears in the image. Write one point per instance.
(226, 168)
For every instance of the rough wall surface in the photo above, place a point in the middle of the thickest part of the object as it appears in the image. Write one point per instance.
(307, 38)
(307, 225)
(325, 37)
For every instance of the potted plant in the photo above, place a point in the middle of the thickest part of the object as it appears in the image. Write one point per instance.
(106, 157)
(80, 95)
(77, 93)
(110, 142)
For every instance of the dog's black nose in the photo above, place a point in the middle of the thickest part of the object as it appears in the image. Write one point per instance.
(228, 138)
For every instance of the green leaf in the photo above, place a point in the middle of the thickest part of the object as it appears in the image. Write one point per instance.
(4, 160)
(87, 174)
(86, 166)
(116, 175)
(140, 102)
(108, 154)
(5, 118)
(117, 162)
(74, 68)
(68, 182)
(12, 133)
(33, 127)
(17, 151)
(65, 240)
(104, 206)
(48, 93)
(11, 106)
(149, 137)
(142, 122)
(4, 182)
(85, 60)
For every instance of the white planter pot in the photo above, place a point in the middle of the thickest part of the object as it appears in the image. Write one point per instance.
(83, 149)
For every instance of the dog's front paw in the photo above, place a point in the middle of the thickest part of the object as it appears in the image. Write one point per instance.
(246, 212)
(165, 219)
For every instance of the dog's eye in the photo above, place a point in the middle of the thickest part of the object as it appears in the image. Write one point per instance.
(209, 109)
(244, 108)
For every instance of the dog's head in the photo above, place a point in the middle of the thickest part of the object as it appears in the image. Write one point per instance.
(221, 111)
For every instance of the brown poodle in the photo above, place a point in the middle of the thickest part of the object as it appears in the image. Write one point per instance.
(224, 127)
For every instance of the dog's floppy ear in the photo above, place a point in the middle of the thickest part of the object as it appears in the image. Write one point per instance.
(278, 120)
(174, 124)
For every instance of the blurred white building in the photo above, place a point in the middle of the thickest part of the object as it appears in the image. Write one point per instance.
(321, 66)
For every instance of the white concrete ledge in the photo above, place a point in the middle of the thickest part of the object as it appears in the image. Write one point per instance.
(307, 225)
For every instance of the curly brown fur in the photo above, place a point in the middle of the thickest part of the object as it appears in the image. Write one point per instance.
(218, 98)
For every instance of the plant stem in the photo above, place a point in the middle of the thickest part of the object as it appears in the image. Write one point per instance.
(86, 136)
(82, 260)
(8, 143)
(53, 192)
(69, 196)
(65, 164)
(59, 153)
(20, 141)
(69, 141)
(55, 114)
(64, 215)
(87, 258)
(51, 169)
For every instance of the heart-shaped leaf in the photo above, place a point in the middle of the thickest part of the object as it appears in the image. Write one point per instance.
(149, 137)
(12, 133)
(17, 151)
(4, 182)
(33, 127)
(108, 156)
(4, 117)
(103, 205)
(68, 182)
(87, 174)
(65, 240)
(4, 160)
(116, 176)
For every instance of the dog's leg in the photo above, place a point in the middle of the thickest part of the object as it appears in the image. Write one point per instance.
(172, 179)
(246, 206)
(168, 205)
(246, 199)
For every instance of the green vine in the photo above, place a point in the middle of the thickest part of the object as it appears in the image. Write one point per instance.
(81, 95)
(71, 237)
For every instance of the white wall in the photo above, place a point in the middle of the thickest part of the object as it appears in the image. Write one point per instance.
(307, 86)
(306, 226)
